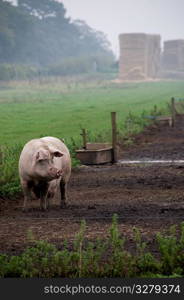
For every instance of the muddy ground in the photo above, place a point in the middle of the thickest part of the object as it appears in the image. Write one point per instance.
(150, 197)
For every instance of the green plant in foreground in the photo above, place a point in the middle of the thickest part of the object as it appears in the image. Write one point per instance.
(172, 251)
(145, 262)
(78, 246)
(103, 258)
(119, 258)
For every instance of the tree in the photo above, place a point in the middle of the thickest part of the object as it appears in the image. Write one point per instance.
(13, 27)
(92, 39)
(37, 32)
(42, 8)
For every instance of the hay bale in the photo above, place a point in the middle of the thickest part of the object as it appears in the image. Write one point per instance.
(173, 55)
(139, 56)
(136, 74)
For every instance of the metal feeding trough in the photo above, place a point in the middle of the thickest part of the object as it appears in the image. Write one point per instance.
(98, 153)
(95, 153)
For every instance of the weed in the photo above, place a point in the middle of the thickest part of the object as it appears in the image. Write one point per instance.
(172, 251)
(102, 258)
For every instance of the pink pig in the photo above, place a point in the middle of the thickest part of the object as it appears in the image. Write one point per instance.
(44, 163)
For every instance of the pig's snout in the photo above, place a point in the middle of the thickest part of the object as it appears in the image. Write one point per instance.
(55, 172)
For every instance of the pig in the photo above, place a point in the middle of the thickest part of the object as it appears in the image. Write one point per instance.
(44, 165)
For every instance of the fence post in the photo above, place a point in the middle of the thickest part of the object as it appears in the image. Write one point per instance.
(173, 112)
(114, 137)
(84, 137)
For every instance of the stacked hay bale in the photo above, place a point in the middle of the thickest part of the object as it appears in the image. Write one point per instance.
(139, 56)
(173, 55)
(153, 55)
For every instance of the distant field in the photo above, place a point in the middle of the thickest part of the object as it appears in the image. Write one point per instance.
(30, 110)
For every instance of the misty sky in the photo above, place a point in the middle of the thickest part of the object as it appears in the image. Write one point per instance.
(164, 17)
(113, 17)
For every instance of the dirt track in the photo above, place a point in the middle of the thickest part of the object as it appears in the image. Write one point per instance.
(150, 197)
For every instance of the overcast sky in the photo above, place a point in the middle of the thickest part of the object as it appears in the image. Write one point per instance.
(164, 17)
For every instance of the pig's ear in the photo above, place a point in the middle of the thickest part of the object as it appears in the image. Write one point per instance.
(55, 152)
(58, 153)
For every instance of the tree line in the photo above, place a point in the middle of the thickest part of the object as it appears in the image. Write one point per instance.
(38, 34)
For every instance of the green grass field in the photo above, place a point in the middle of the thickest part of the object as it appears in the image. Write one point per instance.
(62, 109)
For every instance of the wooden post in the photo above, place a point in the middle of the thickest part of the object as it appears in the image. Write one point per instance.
(114, 137)
(84, 137)
(155, 109)
(173, 112)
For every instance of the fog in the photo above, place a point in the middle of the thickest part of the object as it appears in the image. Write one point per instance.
(113, 17)
(38, 39)
(64, 37)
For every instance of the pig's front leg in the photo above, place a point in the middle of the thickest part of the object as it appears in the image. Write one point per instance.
(44, 201)
(27, 195)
